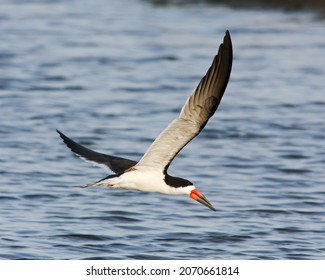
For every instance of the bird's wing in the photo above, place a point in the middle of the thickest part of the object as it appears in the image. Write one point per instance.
(116, 164)
(199, 107)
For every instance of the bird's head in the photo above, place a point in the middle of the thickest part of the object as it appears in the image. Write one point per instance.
(182, 186)
(199, 197)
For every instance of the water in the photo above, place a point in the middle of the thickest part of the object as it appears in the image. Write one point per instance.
(113, 78)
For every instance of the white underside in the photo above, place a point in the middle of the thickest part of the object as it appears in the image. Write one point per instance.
(147, 181)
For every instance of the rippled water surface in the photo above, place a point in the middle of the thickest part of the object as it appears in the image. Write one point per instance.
(112, 75)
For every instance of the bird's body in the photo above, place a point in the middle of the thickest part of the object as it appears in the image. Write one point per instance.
(147, 180)
(150, 173)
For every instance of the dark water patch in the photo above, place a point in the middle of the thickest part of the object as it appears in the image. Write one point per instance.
(121, 213)
(12, 83)
(44, 88)
(299, 256)
(170, 88)
(96, 251)
(312, 70)
(27, 232)
(183, 237)
(158, 58)
(74, 87)
(286, 105)
(134, 89)
(5, 130)
(43, 117)
(199, 252)
(9, 240)
(318, 103)
(49, 64)
(294, 170)
(238, 165)
(146, 89)
(290, 230)
(55, 88)
(76, 194)
(285, 245)
(17, 247)
(269, 212)
(8, 198)
(275, 180)
(54, 217)
(144, 256)
(206, 238)
(294, 156)
(118, 245)
(299, 201)
(101, 60)
(9, 256)
(309, 212)
(262, 255)
(56, 78)
(100, 247)
(216, 238)
(115, 218)
(6, 58)
(134, 227)
(314, 203)
(84, 237)
(40, 197)
(98, 258)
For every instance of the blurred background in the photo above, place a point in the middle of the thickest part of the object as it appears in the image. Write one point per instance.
(111, 75)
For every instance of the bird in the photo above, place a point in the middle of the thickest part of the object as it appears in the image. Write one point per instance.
(149, 174)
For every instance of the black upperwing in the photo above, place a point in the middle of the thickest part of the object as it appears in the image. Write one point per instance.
(116, 164)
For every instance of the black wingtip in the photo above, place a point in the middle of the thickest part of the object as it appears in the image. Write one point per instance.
(227, 40)
(65, 139)
(73, 146)
(60, 133)
(227, 50)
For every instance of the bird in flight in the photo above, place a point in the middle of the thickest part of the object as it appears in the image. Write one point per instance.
(150, 173)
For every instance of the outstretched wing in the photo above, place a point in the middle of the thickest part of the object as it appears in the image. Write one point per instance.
(116, 164)
(199, 107)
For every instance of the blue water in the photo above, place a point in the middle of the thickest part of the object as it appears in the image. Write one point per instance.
(112, 75)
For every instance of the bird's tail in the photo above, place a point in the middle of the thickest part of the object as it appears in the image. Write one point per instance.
(84, 186)
(98, 183)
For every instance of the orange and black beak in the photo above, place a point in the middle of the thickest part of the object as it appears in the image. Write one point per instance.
(196, 195)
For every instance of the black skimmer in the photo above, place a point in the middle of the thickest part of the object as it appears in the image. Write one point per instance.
(150, 173)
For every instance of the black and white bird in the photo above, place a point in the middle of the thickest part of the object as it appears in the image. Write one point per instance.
(150, 173)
